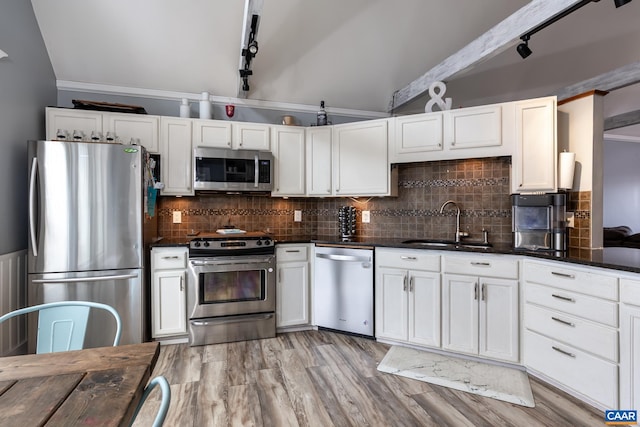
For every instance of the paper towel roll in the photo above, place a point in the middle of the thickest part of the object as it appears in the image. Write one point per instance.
(566, 167)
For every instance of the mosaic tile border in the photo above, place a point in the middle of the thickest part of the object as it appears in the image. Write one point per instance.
(475, 182)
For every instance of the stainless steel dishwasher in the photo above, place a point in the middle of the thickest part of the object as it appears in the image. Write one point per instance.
(343, 289)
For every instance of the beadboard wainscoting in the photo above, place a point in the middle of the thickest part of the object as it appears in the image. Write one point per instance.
(13, 295)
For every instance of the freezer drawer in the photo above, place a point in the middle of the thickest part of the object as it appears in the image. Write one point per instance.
(343, 289)
(121, 289)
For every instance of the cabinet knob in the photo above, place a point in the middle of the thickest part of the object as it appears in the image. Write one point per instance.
(453, 143)
(229, 143)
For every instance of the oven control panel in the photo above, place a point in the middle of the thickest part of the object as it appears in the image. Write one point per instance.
(207, 245)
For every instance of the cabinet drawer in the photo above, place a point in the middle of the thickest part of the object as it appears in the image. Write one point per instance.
(489, 266)
(597, 285)
(592, 337)
(410, 260)
(169, 259)
(630, 291)
(584, 306)
(574, 368)
(291, 253)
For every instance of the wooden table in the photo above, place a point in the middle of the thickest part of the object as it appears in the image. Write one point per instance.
(92, 387)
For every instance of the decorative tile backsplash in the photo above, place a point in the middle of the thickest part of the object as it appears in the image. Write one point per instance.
(480, 187)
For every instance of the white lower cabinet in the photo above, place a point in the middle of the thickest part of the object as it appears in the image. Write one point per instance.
(292, 286)
(480, 316)
(168, 291)
(571, 329)
(408, 296)
(480, 313)
(629, 344)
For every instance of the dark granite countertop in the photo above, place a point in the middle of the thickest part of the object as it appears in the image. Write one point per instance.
(616, 258)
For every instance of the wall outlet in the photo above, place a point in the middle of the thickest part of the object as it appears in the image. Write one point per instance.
(177, 217)
(297, 216)
(570, 220)
(366, 217)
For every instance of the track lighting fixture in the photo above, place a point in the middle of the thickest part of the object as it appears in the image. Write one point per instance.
(523, 48)
(253, 48)
(249, 53)
(619, 3)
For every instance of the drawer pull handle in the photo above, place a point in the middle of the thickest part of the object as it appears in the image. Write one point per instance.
(564, 322)
(171, 257)
(293, 251)
(482, 264)
(563, 298)
(408, 258)
(568, 276)
(566, 353)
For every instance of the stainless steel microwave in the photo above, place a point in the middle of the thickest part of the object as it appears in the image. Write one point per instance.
(221, 169)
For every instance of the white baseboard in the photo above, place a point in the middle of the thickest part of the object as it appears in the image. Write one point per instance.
(13, 295)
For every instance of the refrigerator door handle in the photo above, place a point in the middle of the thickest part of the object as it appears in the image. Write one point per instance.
(32, 214)
(87, 279)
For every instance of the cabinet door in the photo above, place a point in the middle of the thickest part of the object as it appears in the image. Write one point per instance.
(460, 313)
(212, 133)
(68, 120)
(424, 308)
(292, 294)
(418, 133)
(536, 147)
(168, 303)
(177, 159)
(473, 127)
(318, 141)
(288, 153)
(629, 356)
(361, 166)
(391, 303)
(499, 325)
(251, 136)
(143, 129)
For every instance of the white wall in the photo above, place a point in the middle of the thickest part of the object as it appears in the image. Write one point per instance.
(622, 184)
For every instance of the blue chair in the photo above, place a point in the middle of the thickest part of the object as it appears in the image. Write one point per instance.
(164, 405)
(62, 325)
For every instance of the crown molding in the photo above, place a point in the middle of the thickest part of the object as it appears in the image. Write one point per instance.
(222, 100)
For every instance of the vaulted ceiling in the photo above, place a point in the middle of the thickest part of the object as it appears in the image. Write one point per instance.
(354, 54)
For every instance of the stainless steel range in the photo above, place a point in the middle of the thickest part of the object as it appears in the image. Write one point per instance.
(231, 288)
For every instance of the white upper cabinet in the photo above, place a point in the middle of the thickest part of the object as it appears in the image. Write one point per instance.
(478, 127)
(251, 136)
(360, 162)
(140, 128)
(319, 155)
(417, 133)
(212, 133)
(534, 162)
(289, 156)
(69, 120)
(177, 158)
(473, 132)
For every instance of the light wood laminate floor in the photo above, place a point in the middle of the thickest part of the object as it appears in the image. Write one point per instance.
(320, 378)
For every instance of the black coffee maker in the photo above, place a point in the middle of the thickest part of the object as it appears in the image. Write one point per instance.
(539, 222)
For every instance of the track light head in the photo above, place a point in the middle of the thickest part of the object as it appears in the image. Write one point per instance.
(523, 48)
(620, 3)
(253, 48)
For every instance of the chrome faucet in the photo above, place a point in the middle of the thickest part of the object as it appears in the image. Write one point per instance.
(459, 234)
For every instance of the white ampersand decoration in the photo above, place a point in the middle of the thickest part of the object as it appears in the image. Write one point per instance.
(436, 97)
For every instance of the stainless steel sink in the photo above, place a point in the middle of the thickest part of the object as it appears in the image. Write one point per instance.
(447, 244)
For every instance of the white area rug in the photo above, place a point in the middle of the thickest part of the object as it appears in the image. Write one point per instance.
(498, 382)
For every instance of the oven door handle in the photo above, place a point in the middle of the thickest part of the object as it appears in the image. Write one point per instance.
(200, 263)
(233, 319)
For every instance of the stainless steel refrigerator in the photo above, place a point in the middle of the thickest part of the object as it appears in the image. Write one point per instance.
(86, 217)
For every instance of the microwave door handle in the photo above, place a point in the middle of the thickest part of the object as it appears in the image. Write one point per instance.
(32, 214)
(256, 171)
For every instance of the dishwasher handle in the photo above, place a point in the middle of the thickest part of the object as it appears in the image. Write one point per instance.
(348, 258)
